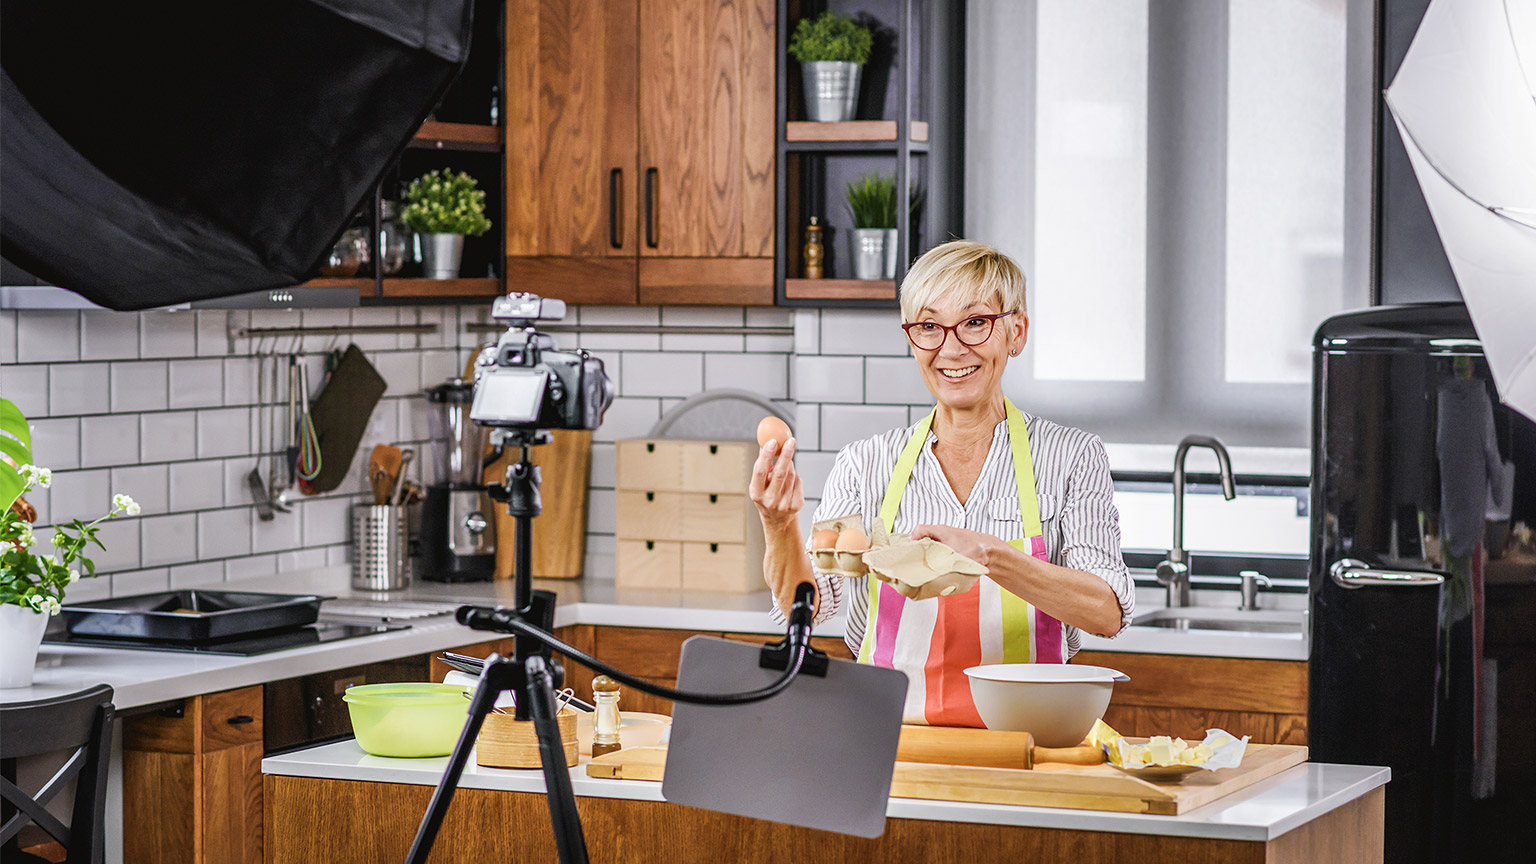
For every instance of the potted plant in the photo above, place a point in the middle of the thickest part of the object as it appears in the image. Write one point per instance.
(31, 584)
(832, 49)
(444, 207)
(872, 203)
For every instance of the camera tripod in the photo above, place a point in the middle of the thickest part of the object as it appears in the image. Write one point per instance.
(533, 674)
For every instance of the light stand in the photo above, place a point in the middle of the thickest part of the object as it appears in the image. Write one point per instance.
(534, 675)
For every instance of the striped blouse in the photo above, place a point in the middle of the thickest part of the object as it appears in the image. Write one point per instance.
(1072, 484)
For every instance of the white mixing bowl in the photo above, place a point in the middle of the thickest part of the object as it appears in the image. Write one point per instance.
(1055, 702)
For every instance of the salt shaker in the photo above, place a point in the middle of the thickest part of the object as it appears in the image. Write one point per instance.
(605, 724)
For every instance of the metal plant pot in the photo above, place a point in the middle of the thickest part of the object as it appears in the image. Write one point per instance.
(440, 254)
(890, 253)
(869, 253)
(831, 89)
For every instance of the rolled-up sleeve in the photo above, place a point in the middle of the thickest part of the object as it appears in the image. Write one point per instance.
(1090, 526)
(839, 498)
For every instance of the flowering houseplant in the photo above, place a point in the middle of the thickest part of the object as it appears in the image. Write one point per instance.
(441, 202)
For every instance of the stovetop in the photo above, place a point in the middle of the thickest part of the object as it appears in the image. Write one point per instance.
(240, 646)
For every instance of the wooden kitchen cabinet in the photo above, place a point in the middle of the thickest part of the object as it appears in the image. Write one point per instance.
(640, 150)
(192, 786)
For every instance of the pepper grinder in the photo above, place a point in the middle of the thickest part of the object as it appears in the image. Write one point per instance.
(814, 253)
(605, 724)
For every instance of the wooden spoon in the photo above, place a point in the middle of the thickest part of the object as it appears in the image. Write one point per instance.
(383, 468)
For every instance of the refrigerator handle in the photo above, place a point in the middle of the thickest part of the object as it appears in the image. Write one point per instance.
(1353, 573)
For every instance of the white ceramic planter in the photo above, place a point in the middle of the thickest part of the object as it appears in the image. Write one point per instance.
(21, 632)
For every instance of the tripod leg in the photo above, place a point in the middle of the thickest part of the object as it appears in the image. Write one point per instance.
(499, 674)
(566, 819)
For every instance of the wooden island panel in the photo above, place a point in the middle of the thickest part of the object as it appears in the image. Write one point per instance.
(377, 821)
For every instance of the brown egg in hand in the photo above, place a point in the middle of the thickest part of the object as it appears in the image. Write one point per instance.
(824, 539)
(773, 428)
(852, 540)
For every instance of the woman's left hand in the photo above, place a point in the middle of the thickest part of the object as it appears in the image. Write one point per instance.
(978, 547)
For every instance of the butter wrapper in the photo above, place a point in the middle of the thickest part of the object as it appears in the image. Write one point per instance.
(1220, 749)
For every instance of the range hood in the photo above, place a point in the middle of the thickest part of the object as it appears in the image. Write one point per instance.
(162, 153)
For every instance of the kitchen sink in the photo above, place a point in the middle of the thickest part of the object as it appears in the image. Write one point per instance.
(1195, 618)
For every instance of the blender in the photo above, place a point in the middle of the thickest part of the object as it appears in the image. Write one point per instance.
(458, 536)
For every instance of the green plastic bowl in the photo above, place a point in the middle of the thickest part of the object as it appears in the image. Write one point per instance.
(407, 720)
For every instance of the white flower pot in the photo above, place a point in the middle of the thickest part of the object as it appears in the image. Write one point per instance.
(440, 254)
(21, 632)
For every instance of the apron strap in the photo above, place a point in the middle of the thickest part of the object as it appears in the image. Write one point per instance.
(1023, 470)
(903, 473)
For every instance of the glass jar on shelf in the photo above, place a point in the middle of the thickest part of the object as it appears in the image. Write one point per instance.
(394, 239)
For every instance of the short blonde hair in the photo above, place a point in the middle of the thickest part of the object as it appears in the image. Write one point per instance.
(974, 271)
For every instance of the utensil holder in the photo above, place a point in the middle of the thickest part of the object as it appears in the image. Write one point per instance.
(380, 559)
(506, 742)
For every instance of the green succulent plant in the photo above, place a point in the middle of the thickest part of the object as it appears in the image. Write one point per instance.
(831, 36)
(441, 202)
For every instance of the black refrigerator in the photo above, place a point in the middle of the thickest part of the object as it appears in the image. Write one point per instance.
(1423, 581)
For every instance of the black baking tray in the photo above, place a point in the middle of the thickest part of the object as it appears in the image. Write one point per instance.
(192, 615)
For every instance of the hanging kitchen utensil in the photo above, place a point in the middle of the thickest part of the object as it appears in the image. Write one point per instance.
(253, 480)
(278, 481)
(340, 415)
(310, 459)
(291, 454)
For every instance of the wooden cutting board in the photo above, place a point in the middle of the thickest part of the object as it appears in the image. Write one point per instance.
(1075, 787)
(560, 533)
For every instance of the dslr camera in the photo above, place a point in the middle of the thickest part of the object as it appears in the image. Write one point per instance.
(524, 383)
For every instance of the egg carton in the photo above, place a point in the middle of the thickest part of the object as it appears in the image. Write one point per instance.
(918, 569)
(845, 562)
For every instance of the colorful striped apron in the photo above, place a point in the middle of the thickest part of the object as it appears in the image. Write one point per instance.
(934, 641)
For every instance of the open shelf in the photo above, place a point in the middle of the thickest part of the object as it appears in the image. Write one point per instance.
(436, 135)
(363, 284)
(840, 289)
(481, 287)
(853, 130)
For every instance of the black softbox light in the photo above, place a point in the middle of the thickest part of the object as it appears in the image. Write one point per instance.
(157, 151)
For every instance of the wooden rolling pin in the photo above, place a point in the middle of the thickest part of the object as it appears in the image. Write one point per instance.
(951, 745)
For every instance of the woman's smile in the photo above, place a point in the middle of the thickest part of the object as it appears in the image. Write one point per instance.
(957, 374)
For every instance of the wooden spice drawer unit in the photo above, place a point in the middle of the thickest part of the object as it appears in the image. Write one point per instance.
(683, 518)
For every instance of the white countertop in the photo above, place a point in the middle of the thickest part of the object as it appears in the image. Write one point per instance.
(1261, 812)
(141, 678)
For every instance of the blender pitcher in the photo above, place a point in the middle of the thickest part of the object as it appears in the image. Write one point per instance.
(458, 535)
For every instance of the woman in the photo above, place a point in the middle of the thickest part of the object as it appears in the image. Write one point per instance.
(1027, 498)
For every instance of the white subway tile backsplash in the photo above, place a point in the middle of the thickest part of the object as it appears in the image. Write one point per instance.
(168, 436)
(827, 379)
(808, 427)
(411, 418)
(78, 388)
(121, 537)
(27, 386)
(863, 332)
(79, 495)
(814, 469)
(168, 333)
(284, 531)
(769, 316)
(109, 439)
(440, 366)
(844, 424)
(7, 336)
(168, 539)
(140, 582)
(702, 342)
(245, 568)
(197, 575)
(89, 589)
(323, 318)
(807, 331)
(602, 511)
(39, 499)
(56, 443)
(223, 432)
(213, 326)
(619, 341)
(628, 418)
(375, 316)
(240, 384)
(657, 374)
(771, 344)
(300, 559)
(224, 533)
(617, 315)
(338, 556)
(604, 466)
(197, 383)
(197, 485)
(767, 374)
(701, 316)
(108, 335)
(401, 371)
(894, 380)
(47, 336)
(138, 386)
(234, 488)
(146, 484)
(326, 520)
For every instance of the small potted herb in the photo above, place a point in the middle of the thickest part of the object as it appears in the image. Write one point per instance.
(832, 49)
(872, 203)
(32, 585)
(444, 207)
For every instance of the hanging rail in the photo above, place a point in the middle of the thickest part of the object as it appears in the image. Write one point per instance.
(640, 329)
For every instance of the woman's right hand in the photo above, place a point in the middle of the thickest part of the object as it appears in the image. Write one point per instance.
(775, 485)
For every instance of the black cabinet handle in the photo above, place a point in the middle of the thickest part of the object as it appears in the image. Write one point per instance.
(241, 720)
(614, 178)
(650, 207)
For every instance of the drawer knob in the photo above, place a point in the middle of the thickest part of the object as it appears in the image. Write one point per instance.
(241, 719)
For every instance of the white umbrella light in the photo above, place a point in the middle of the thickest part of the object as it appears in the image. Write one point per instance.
(1464, 101)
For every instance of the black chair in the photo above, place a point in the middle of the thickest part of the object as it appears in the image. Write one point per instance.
(81, 722)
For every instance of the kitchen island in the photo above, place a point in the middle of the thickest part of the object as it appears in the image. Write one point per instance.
(1312, 813)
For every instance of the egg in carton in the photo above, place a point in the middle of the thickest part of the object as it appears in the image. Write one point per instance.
(838, 545)
(923, 569)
